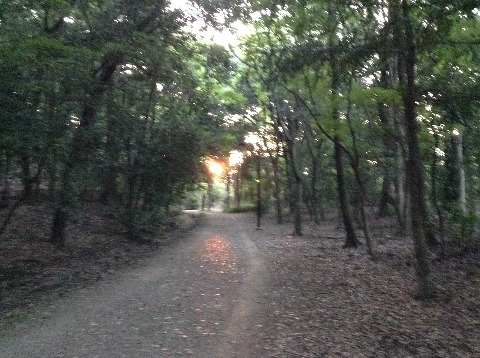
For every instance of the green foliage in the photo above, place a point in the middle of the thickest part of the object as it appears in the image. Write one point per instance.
(244, 208)
(193, 200)
(371, 96)
(462, 227)
(159, 99)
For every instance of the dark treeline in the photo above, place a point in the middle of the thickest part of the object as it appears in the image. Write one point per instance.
(366, 107)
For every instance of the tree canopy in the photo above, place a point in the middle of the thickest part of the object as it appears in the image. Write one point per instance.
(360, 107)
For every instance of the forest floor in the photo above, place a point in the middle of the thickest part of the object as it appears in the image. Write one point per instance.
(317, 300)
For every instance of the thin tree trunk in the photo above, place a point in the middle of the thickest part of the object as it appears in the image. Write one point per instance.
(351, 239)
(316, 202)
(238, 192)
(436, 204)
(227, 189)
(274, 158)
(385, 197)
(5, 195)
(10, 212)
(26, 177)
(276, 180)
(259, 190)
(316, 205)
(458, 140)
(277, 190)
(401, 201)
(298, 226)
(110, 193)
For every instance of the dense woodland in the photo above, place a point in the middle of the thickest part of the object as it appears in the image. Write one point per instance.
(367, 108)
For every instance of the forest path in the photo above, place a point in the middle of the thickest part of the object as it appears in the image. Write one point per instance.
(202, 296)
(227, 290)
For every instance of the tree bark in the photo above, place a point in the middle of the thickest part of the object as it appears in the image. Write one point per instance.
(351, 239)
(297, 195)
(79, 146)
(414, 166)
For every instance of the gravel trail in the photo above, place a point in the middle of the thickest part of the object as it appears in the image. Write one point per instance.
(203, 296)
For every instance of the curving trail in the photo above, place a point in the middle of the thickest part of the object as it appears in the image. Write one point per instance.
(203, 296)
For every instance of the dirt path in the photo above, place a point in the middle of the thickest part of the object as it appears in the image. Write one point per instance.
(231, 291)
(202, 297)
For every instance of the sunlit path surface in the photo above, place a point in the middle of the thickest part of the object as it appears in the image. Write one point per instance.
(200, 297)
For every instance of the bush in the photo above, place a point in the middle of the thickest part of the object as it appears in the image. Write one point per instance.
(247, 208)
(192, 203)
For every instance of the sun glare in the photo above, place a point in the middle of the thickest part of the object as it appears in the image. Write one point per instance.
(236, 158)
(227, 37)
(215, 168)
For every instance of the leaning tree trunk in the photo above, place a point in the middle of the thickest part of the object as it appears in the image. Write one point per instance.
(79, 145)
(414, 167)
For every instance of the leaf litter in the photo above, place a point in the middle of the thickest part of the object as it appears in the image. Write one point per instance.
(321, 300)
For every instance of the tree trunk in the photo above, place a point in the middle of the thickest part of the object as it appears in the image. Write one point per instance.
(277, 190)
(400, 195)
(227, 189)
(79, 146)
(435, 194)
(385, 198)
(414, 166)
(275, 179)
(259, 190)
(5, 195)
(351, 239)
(238, 190)
(458, 140)
(297, 186)
(298, 231)
(393, 140)
(110, 193)
(314, 148)
(26, 177)
(317, 206)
